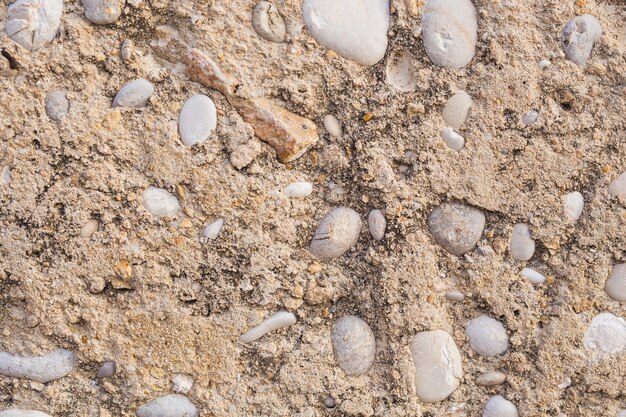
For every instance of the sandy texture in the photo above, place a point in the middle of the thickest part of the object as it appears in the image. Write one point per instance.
(177, 303)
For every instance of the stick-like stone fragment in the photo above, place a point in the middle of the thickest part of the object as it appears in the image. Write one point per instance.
(48, 367)
(275, 321)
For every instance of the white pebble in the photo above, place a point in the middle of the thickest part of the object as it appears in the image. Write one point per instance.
(621, 413)
(438, 365)
(567, 381)
(617, 187)
(521, 246)
(456, 227)
(498, 406)
(487, 336)
(578, 37)
(5, 176)
(181, 383)
(353, 344)
(33, 23)
(197, 120)
(573, 204)
(160, 202)
(491, 378)
(401, 71)
(455, 296)
(44, 368)
(544, 63)
(57, 104)
(22, 413)
(172, 405)
(355, 29)
(274, 322)
(533, 276)
(453, 139)
(377, 224)
(615, 286)
(103, 12)
(268, 23)
(299, 189)
(134, 94)
(530, 117)
(89, 229)
(449, 31)
(107, 370)
(456, 109)
(332, 126)
(607, 333)
(336, 233)
(213, 229)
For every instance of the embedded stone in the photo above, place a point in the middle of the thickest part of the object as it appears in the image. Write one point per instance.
(456, 227)
(353, 344)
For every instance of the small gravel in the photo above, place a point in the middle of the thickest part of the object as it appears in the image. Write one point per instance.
(107, 370)
(332, 125)
(268, 23)
(160, 202)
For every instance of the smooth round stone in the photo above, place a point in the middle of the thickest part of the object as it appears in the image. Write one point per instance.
(578, 37)
(530, 117)
(134, 94)
(160, 202)
(487, 336)
(573, 204)
(438, 365)
(544, 63)
(449, 32)
(103, 12)
(617, 187)
(615, 286)
(89, 229)
(197, 120)
(336, 233)
(107, 370)
(268, 23)
(332, 126)
(172, 405)
(455, 296)
(498, 406)
(607, 333)
(456, 109)
(491, 378)
(299, 189)
(57, 104)
(533, 276)
(33, 23)
(521, 246)
(355, 29)
(330, 402)
(354, 345)
(456, 227)
(453, 139)
(377, 224)
(213, 229)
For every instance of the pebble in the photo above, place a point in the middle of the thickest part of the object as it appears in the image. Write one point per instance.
(617, 187)
(330, 402)
(213, 229)
(453, 139)
(172, 405)
(127, 50)
(521, 246)
(544, 63)
(336, 233)
(22, 413)
(620, 413)
(449, 32)
(355, 29)
(530, 117)
(438, 365)
(456, 227)
(107, 370)
(533, 276)
(615, 286)
(607, 333)
(182, 384)
(197, 120)
(33, 23)
(498, 406)
(491, 378)
(160, 202)
(332, 125)
(89, 229)
(268, 23)
(57, 105)
(44, 368)
(578, 37)
(353, 344)
(103, 12)
(487, 336)
(5, 176)
(455, 296)
(134, 94)
(299, 189)
(573, 204)
(401, 71)
(275, 321)
(456, 109)
(377, 224)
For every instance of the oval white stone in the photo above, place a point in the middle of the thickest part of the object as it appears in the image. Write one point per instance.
(456, 227)
(134, 94)
(213, 229)
(160, 202)
(44, 368)
(449, 31)
(172, 405)
(332, 126)
(533, 276)
(22, 413)
(521, 246)
(355, 29)
(438, 365)
(197, 120)
(615, 286)
(498, 406)
(490, 378)
(33, 23)
(103, 12)
(573, 204)
(455, 296)
(607, 333)
(89, 229)
(402, 71)
(377, 224)
(456, 109)
(353, 344)
(530, 117)
(181, 383)
(454, 140)
(299, 189)
(336, 233)
(487, 336)
(617, 187)
(579, 36)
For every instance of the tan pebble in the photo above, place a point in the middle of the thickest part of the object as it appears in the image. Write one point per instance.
(491, 378)
(109, 387)
(89, 229)
(597, 69)
(314, 268)
(185, 224)
(120, 284)
(123, 269)
(112, 119)
(96, 285)
(298, 291)
(331, 55)
(415, 108)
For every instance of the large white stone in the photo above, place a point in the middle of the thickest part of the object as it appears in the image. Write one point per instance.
(172, 405)
(607, 333)
(197, 120)
(353, 344)
(487, 336)
(355, 29)
(160, 202)
(615, 286)
(33, 23)
(578, 37)
(498, 406)
(336, 233)
(449, 31)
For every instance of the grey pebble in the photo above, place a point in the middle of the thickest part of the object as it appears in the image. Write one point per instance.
(456, 227)
(336, 233)
(455, 296)
(57, 105)
(521, 246)
(103, 12)
(354, 345)
(107, 370)
(330, 402)
(134, 94)
(377, 224)
(578, 37)
(268, 23)
(530, 117)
